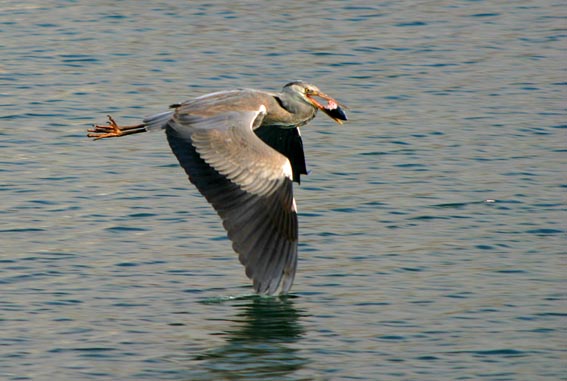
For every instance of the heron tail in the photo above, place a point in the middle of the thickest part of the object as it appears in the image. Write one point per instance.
(157, 121)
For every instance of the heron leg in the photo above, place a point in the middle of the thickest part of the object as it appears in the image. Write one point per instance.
(113, 130)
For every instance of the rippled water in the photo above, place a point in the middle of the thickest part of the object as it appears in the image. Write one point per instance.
(432, 224)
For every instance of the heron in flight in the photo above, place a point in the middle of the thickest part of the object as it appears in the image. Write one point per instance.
(242, 150)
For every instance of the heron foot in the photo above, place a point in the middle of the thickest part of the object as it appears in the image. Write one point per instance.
(113, 130)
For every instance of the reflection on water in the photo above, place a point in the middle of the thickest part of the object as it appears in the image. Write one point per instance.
(260, 345)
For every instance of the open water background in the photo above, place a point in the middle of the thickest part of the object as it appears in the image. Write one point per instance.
(432, 224)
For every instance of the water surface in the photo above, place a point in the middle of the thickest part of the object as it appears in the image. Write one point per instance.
(432, 224)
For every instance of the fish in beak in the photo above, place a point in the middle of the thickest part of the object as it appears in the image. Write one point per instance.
(332, 108)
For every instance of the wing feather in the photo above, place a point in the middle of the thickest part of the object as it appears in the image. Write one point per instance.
(248, 183)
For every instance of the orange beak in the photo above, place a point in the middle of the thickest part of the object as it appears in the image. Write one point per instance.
(332, 109)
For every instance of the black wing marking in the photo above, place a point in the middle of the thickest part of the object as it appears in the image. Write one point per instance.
(288, 142)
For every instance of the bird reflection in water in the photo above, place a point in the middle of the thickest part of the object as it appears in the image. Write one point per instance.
(263, 344)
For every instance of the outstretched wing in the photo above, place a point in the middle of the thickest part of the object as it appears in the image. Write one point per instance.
(248, 183)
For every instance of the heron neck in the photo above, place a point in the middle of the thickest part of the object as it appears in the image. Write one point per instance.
(298, 113)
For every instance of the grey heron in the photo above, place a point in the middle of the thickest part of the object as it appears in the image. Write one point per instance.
(242, 150)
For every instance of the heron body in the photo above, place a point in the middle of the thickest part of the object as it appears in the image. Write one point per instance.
(242, 150)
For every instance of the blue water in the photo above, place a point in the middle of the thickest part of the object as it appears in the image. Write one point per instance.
(432, 225)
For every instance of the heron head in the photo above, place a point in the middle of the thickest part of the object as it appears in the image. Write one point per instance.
(309, 93)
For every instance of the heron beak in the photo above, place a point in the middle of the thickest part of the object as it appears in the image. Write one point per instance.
(332, 108)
